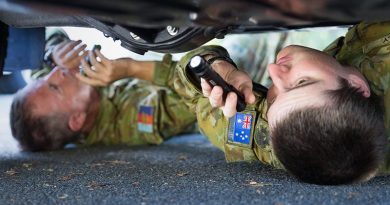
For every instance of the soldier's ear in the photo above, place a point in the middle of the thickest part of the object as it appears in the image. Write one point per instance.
(360, 83)
(76, 121)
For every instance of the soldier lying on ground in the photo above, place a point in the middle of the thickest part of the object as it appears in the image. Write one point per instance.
(328, 140)
(325, 122)
(58, 109)
(325, 119)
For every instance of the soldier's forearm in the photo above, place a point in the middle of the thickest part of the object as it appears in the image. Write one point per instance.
(142, 69)
(127, 67)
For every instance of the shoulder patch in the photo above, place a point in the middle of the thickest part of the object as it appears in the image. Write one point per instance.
(145, 119)
(240, 129)
(261, 133)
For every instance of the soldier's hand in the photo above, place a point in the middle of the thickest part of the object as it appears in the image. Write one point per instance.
(239, 79)
(68, 54)
(103, 72)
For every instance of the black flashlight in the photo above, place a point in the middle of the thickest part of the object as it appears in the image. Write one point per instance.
(201, 68)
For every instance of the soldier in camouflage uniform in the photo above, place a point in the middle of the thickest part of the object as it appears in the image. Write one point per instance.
(59, 108)
(365, 47)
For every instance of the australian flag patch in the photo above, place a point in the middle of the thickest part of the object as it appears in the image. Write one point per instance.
(240, 129)
(145, 119)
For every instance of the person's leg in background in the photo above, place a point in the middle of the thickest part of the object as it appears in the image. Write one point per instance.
(22, 48)
(11, 82)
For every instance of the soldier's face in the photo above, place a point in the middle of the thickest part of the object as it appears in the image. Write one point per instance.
(300, 76)
(59, 91)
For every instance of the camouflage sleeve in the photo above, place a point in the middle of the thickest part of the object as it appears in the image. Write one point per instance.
(176, 76)
(212, 122)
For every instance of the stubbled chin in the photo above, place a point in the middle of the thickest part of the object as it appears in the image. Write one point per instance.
(85, 95)
(86, 90)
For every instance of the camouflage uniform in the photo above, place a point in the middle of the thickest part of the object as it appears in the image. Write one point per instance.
(135, 112)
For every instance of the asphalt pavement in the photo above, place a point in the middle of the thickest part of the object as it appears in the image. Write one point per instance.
(184, 170)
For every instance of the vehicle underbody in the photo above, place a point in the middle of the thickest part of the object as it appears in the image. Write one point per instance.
(176, 26)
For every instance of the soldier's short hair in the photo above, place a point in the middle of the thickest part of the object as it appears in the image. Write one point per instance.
(38, 133)
(343, 142)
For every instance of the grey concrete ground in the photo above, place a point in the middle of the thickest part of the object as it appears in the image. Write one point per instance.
(184, 170)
